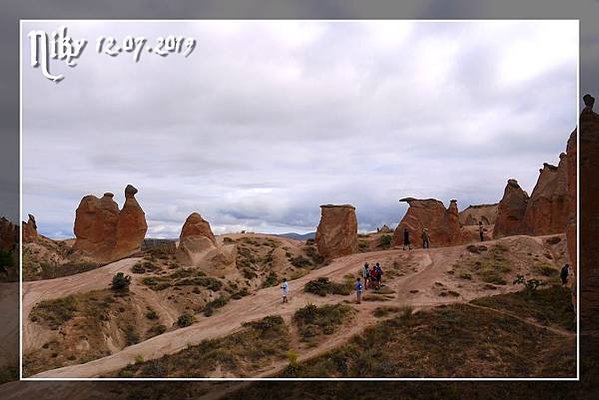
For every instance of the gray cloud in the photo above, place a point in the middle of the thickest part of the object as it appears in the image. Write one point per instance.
(268, 120)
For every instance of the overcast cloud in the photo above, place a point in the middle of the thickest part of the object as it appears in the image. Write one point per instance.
(265, 121)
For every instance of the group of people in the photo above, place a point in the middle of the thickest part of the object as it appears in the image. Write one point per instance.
(372, 278)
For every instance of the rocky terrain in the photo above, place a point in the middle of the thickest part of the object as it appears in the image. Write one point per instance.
(210, 305)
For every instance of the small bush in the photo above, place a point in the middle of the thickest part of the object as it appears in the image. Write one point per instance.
(301, 262)
(185, 320)
(151, 314)
(138, 269)
(215, 304)
(271, 280)
(323, 286)
(121, 282)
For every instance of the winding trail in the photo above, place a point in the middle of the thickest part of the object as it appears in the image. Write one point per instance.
(415, 286)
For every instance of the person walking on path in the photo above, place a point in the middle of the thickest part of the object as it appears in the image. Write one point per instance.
(564, 274)
(359, 289)
(425, 239)
(406, 239)
(481, 231)
(378, 273)
(285, 288)
(366, 275)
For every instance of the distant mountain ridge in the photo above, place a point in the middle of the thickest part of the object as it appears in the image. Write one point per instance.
(298, 236)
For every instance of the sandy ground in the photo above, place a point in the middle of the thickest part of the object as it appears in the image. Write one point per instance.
(424, 271)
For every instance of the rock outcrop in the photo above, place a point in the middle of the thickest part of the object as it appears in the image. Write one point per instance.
(588, 155)
(442, 223)
(106, 234)
(196, 238)
(547, 209)
(511, 211)
(337, 232)
(473, 214)
(198, 247)
(9, 235)
(30, 230)
(131, 227)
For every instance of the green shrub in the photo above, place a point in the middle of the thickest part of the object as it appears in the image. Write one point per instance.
(323, 286)
(301, 262)
(271, 280)
(138, 269)
(185, 320)
(121, 282)
(54, 312)
(215, 304)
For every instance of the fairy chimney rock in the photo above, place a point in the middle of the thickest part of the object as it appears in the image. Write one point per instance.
(337, 232)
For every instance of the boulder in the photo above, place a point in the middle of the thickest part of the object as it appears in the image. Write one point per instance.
(9, 235)
(30, 230)
(104, 233)
(337, 232)
(473, 214)
(511, 211)
(442, 223)
(547, 209)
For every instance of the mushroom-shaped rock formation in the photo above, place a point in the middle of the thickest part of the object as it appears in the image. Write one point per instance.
(337, 232)
(511, 211)
(442, 223)
(30, 230)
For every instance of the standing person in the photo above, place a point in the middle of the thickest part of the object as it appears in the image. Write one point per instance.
(359, 289)
(564, 274)
(379, 275)
(406, 239)
(481, 231)
(366, 275)
(285, 288)
(425, 239)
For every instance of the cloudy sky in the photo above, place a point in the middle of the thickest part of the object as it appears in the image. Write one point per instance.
(265, 121)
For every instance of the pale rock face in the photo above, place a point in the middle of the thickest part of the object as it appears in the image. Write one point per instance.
(442, 223)
(106, 234)
(511, 211)
(198, 248)
(337, 232)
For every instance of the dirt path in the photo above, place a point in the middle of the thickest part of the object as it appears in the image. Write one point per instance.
(423, 273)
(33, 292)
